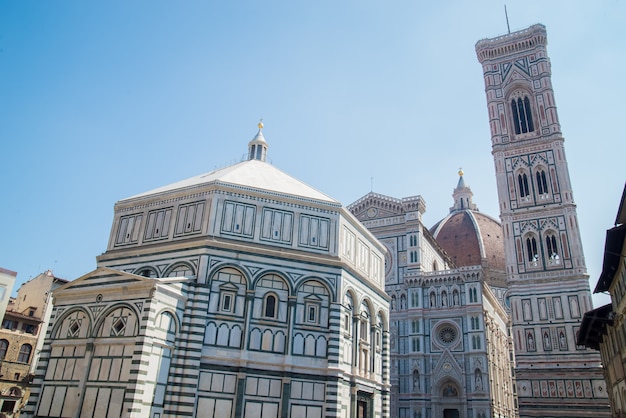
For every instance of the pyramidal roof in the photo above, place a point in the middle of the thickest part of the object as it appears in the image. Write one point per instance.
(255, 174)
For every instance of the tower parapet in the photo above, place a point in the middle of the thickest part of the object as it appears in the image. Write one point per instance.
(511, 43)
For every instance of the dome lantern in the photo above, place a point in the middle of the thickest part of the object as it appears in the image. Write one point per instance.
(257, 148)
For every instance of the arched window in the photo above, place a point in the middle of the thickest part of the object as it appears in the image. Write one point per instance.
(531, 248)
(252, 152)
(147, 272)
(414, 299)
(522, 180)
(522, 115)
(24, 355)
(4, 347)
(379, 330)
(348, 304)
(415, 326)
(473, 296)
(551, 248)
(415, 344)
(364, 332)
(181, 270)
(542, 182)
(475, 322)
(269, 310)
(476, 342)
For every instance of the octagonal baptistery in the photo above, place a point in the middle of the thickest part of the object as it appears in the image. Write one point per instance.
(472, 238)
(242, 292)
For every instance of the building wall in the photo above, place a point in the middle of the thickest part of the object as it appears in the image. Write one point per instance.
(22, 333)
(7, 280)
(604, 328)
(613, 347)
(449, 341)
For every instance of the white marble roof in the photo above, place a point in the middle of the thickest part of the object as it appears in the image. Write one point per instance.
(251, 174)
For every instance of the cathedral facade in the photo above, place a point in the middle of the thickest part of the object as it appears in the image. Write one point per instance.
(238, 293)
(449, 332)
(548, 286)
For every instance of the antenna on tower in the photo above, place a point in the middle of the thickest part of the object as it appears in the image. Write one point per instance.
(507, 20)
(371, 184)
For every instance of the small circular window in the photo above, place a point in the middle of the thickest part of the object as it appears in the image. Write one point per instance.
(447, 335)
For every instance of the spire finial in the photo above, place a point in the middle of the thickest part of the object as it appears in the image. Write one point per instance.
(260, 125)
(460, 172)
(506, 15)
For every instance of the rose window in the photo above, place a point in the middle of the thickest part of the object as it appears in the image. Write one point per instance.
(447, 335)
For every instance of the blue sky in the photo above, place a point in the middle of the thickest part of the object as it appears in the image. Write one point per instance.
(103, 100)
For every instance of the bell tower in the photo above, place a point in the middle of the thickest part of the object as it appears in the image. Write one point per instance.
(546, 273)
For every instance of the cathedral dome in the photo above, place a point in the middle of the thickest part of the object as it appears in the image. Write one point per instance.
(469, 237)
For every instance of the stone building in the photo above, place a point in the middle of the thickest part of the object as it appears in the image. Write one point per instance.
(548, 287)
(449, 331)
(21, 338)
(7, 280)
(237, 293)
(604, 328)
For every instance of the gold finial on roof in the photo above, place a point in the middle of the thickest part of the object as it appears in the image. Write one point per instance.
(461, 172)
(260, 125)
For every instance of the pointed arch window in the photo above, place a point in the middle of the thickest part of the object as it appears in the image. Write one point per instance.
(415, 326)
(542, 182)
(551, 249)
(522, 115)
(475, 322)
(522, 180)
(415, 344)
(531, 249)
(414, 299)
(473, 295)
